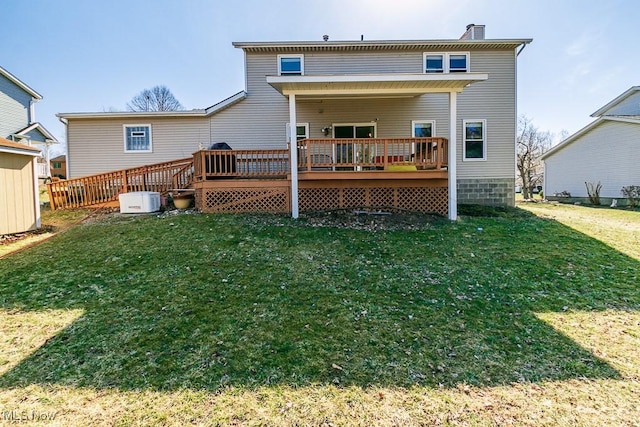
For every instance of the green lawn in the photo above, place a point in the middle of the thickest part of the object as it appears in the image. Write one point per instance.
(244, 320)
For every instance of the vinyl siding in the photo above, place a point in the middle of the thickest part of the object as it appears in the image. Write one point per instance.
(17, 194)
(628, 107)
(260, 120)
(97, 145)
(608, 153)
(495, 101)
(14, 108)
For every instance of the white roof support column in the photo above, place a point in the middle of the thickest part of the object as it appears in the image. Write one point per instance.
(293, 154)
(453, 156)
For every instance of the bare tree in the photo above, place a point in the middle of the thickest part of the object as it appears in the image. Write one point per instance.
(158, 98)
(531, 144)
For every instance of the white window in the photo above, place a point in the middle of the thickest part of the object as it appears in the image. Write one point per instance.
(423, 128)
(137, 138)
(446, 62)
(474, 134)
(302, 131)
(290, 65)
(434, 62)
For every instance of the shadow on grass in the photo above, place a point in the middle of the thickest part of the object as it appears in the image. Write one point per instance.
(204, 302)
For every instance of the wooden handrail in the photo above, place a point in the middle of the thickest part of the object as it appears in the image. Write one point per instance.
(372, 153)
(105, 187)
(211, 164)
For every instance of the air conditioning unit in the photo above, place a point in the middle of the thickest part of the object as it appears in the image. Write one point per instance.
(139, 202)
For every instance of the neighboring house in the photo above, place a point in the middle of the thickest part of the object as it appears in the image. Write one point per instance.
(19, 204)
(59, 166)
(339, 90)
(605, 151)
(17, 115)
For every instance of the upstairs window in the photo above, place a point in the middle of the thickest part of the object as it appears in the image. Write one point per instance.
(446, 62)
(434, 63)
(137, 138)
(290, 65)
(475, 139)
(457, 63)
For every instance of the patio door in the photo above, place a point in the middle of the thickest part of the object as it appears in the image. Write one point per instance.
(353, 153)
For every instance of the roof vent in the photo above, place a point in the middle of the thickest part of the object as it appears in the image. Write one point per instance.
(474, 32)
(325, 38)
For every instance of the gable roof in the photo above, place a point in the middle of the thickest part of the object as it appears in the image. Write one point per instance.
(616, 101)
(20, 84)
(39, 128)
(587, 129)
(225, 103)
(11, 147)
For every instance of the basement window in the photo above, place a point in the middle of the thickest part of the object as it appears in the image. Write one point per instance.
(137, 138)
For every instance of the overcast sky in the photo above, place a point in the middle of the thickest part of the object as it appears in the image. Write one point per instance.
(86, 55)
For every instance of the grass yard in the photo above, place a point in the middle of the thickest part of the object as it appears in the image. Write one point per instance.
(514, 319)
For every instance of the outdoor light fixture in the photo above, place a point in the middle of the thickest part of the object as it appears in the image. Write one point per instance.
(326, 130)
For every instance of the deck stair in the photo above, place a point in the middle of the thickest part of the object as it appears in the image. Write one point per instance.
(103, 189)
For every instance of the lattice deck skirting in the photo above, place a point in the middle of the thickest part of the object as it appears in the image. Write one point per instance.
(238, 200)
(274, 196)
(417, 199)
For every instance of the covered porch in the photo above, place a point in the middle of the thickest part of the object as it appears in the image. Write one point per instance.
(413, 157)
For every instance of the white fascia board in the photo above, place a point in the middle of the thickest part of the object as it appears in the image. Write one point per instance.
(634, 120)
(378, 84)
(616, 101)
(11, 150)
(572, 138)
(20, 84)
(588, 128)
(41, 129)
(226, 103)
(132, 114)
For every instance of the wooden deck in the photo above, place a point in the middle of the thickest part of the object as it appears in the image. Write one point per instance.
(403, 173)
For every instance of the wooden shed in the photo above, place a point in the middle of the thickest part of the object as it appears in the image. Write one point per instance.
(19, 204)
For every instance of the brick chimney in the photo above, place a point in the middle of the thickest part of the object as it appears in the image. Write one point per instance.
(474, 32)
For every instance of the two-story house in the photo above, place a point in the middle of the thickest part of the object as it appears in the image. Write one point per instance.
(19, 171)
(377, 122)
(18, 116)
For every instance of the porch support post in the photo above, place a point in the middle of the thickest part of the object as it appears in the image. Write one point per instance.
(293, 155)
(453, 157)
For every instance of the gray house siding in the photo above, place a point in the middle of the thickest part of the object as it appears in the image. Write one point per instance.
(97, 146)
(608, 154)
(260, 120)
(14, 108)
(627, 107)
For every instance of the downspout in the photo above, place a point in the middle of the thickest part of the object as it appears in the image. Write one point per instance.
(65, 122)
(521, 49)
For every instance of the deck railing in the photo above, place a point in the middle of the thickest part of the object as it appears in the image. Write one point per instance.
(105, 187)
(211, 164)
(372, 153)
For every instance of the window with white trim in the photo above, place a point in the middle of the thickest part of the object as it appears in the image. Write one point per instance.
(446, 62)
(423, 128)
(137, 138)
(302, 131)
(290, 65)
(474, 134)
